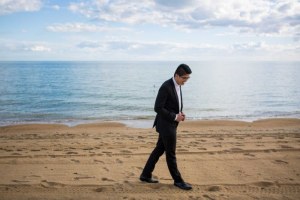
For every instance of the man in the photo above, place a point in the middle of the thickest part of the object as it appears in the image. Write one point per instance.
(168, 106)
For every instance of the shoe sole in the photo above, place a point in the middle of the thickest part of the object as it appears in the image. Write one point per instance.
(183, 188)
(143, 180)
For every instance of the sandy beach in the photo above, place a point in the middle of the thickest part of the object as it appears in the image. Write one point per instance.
(221, 159)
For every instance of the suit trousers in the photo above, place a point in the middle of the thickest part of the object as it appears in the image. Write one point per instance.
(166, 143)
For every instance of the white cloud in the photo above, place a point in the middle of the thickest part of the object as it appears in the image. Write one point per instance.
(148, 48)
(259, 49)
(117, 45)
(12, 6)
(37, 48)
(24, 46)
(176, 4)
(250, 46)
(254, 16)
(168, 50)
(82, 27)
(56, 7)
(143, 50)
(117, 10)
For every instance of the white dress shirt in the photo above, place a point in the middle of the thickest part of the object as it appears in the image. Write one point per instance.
(177, 87)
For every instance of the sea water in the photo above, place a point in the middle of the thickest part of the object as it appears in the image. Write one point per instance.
(83, 92)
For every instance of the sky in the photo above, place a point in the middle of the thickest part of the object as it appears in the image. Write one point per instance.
(150, 30)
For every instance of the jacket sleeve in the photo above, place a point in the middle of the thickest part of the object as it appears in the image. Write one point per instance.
(160, 104)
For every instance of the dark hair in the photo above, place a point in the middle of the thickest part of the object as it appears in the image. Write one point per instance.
(183, 69)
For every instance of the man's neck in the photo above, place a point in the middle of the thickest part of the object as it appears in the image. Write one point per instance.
(175, 82)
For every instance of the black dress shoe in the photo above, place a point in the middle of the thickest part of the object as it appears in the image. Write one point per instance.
(183, 185)
(148, 180)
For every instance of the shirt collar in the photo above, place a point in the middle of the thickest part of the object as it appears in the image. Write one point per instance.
(175, 83)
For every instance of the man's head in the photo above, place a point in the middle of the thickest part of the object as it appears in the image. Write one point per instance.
(182, 74)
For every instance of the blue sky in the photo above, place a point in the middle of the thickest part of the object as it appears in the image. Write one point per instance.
(150, 30)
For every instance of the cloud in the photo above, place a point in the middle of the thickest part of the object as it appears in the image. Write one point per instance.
(37, 48)
(24, 46)
(12, 6)
(176, 4)
(139, 50)
(253, 16)
(56, 7)
(148, 48)
(116, 10)
(118, 45)
(82, 27)
(159, 47)
(124, 49)
(250, 46)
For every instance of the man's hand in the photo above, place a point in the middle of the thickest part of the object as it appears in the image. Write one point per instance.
(183, 116)
(180, 117)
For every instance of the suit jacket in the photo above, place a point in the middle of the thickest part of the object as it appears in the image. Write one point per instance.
(166, 106)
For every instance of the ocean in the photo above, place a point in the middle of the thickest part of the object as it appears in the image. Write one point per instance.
(83, 92)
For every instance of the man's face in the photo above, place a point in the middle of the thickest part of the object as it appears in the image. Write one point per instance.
(180, 80)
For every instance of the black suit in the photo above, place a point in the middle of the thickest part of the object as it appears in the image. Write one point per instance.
(166, 107)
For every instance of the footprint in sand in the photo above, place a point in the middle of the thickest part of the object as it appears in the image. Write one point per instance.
(71, 153)
(106, 179)
(83, 177)
(98, 161)
(239, 138)
(19, 181)
(106, 169)
(130, 174)
(264, 184)
(34, 176)
(249, 154)
(154, 186)
(236, 149)
(57, 150)
(16, 154)
(47, 184)
(88, 149)
(280, 162)
(208, 197)
(119, 161)
(125, 151)
(214, 188)
(260, 145)
(217, 145)
(286, 147)
(182, 150)
(35, 150)
(102, 189)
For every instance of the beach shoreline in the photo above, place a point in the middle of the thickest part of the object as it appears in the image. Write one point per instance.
(222, 159)
(141, 123)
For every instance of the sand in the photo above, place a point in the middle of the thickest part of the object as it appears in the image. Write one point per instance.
(221, 159)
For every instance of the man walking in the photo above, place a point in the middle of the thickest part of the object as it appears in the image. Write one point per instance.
(168, 106)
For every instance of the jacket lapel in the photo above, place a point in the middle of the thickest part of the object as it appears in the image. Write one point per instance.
(174, 91)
